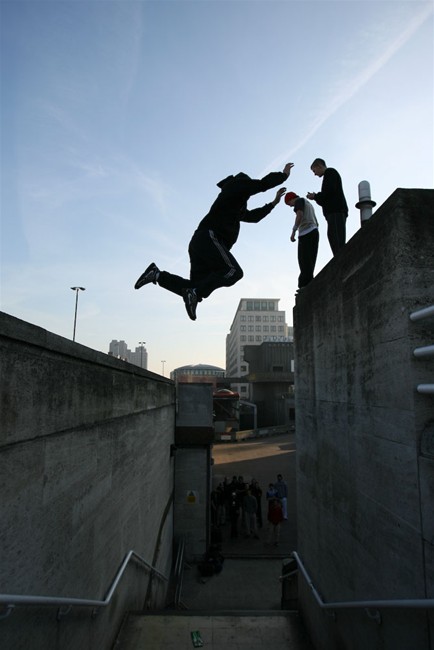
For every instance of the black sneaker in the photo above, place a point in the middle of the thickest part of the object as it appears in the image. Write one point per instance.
(150, 275)
(190, 301)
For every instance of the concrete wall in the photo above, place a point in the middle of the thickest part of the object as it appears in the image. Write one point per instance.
(365, 437)
(85, 476)
(194, 435)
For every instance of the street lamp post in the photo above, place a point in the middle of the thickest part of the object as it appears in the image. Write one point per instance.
(162, 364)
(141, 343)
(76, 289)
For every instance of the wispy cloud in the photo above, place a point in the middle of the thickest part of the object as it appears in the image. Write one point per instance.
(350, 87)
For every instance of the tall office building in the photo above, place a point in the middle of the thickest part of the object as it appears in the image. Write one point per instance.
(120, 350)
(256, 320)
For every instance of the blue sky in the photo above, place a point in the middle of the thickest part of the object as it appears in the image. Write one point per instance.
(119, 118)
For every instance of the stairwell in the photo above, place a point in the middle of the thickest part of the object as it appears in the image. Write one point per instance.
(237, 609)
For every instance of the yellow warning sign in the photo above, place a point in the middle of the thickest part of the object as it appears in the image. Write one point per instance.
(192, 497)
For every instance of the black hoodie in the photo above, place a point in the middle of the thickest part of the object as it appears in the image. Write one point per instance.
(230, 207)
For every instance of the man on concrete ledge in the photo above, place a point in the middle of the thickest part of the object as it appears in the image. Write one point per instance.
(333, 203)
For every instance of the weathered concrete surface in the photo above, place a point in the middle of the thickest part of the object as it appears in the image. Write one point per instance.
(365, 451)
(85, 476)
(224, 632)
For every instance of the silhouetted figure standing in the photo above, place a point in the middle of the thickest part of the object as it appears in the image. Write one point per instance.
(332, 200)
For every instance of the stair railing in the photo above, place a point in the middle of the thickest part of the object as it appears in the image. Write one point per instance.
(368, 605)
(9, 601)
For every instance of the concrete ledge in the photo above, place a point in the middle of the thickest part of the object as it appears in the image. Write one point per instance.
(20, 331)
(248, 434)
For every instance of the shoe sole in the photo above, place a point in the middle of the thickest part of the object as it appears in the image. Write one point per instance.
(142, 279)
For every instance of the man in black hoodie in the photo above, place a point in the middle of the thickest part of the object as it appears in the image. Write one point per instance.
(212, 265)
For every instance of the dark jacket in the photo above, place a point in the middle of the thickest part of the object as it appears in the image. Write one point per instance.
(230, 207)
(331, 198)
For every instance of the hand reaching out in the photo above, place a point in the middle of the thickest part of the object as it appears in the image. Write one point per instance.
(280, 192)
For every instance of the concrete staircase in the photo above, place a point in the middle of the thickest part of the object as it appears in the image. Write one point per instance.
(238, 609)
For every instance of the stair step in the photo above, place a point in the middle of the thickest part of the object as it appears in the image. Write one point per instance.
(230, 631)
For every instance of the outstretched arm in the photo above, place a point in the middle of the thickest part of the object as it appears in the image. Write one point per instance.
(270, 180)
(253, 216)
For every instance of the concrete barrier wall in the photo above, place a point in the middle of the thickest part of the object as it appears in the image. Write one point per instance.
(365, 450)
(85, 476)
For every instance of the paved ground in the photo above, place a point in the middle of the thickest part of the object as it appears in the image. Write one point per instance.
(262, 459)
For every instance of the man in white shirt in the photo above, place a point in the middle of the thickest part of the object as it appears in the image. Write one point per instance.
(308, 236)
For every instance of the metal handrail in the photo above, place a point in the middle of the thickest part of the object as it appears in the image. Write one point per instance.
(425, 351)
(11, 600)
(422, 313)
(178, 572)
(413, 603)
(425, 389)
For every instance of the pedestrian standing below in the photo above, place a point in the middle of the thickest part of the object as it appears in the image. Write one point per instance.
(212, 265)
(250, 507)
(282, 492)
(271, 492)
(332, 200)
(308, 237)
(257, 493)
(274, 517)
(213, 507)
(221, 505)
(241, 493)
(234, 513)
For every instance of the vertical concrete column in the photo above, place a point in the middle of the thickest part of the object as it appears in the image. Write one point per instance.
(194, 435)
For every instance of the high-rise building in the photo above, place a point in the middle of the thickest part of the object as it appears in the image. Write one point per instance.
(120, 350)
(256, 320)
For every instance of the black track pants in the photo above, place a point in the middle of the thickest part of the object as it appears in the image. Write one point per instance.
(336, 231)
(212, 266)
(307, 253)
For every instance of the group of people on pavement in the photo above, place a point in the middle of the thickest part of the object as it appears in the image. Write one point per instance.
(239, 503)
(212, 265)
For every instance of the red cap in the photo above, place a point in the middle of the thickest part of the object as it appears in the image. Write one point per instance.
(289, 196)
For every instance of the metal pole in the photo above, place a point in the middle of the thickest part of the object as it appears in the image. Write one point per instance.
(141, 343)
(76, 289)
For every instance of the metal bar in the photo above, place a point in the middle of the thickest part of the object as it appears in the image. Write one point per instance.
(416, 603)
(422, 313)
(13, 599)
(426, 351)
(426, 389)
